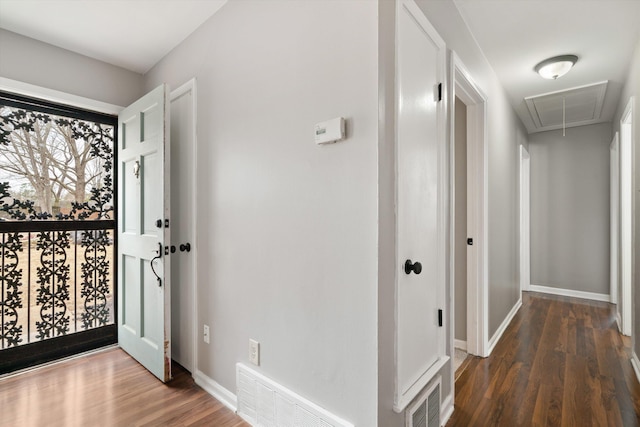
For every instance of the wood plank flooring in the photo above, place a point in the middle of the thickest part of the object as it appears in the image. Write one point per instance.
(108, 388)
(561, 362)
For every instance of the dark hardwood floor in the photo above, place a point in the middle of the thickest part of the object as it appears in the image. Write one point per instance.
(108, 388)
(561, 362)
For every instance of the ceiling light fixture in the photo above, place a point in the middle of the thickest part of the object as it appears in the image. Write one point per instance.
(555, 67)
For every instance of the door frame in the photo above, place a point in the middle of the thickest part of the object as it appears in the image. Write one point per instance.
(627, 203)
(525, 219)
(464, 87)
(190, 87)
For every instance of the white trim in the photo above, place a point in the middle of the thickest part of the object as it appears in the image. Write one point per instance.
(459, 344)
(403, 400)
(187, 87)
(618, 319)
(463, 85)
(223, 395)
(503, 327)
(446, 409)
(570, 293)
(627, 204)
(635, 362)
(56, 96)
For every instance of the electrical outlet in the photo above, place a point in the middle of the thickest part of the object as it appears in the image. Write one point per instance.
(205, 334)
(254, 352)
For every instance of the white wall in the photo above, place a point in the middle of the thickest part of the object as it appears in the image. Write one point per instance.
(570, 208)
(287, 229)
(632, 88)
(41, 64)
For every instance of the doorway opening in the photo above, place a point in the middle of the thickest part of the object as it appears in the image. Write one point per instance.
(525, 219)
(614, 168)
(183, 236)
(460, 231)
(57, 231)
(469, 246)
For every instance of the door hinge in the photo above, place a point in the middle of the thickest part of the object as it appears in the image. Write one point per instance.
(440, 318)
(439, 91)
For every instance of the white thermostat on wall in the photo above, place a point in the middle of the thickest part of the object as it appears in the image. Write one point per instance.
(330, 131)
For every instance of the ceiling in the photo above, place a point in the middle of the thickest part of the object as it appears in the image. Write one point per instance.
(515, 35)
(132, 34)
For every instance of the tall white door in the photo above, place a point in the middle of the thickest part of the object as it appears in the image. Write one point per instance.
(144, 303)
(421, 192)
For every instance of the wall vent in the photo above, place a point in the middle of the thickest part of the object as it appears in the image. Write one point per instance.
(425, 412)
(264, 403)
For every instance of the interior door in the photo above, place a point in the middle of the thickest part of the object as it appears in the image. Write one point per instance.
(421, 226)
(144, 303)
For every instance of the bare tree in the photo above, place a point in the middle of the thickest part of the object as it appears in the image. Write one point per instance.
(51, 153)
(25, 154)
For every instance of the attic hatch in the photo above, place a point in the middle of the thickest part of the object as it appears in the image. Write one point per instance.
(583, 106)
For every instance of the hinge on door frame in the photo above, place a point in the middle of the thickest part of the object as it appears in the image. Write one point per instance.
(439, 91)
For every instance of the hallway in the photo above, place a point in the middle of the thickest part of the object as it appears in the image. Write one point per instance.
(561, 362)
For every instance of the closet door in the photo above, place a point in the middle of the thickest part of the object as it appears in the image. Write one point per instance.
(421, 203)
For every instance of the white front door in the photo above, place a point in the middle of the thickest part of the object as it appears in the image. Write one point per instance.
(421, 201)
(144, 293)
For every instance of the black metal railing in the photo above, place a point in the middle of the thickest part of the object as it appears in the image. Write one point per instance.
(56, 277)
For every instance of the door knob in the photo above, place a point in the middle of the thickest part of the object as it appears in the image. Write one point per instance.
(416, 267)
(185, 247)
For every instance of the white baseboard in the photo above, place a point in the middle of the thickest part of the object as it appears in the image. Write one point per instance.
(462, 345)
(225, 397)
(619, 321)
(496, 337)
(571, 293)
(446, 410)
(635, 362)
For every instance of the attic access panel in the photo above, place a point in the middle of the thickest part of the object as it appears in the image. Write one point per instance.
(582, 106)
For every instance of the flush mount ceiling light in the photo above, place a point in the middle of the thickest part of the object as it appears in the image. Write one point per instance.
(555, 67)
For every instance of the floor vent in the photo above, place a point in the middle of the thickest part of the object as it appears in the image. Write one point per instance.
(264, 403)
(426, 411)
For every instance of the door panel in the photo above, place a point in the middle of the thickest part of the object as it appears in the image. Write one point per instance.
(144, 307)
(420, 201)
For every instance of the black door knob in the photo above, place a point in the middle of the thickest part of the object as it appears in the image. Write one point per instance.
(185, 247)
(416, 267)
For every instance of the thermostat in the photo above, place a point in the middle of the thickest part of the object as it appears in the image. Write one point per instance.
(330, 131)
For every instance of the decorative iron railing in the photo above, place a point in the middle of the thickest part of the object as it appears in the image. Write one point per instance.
(56, 278)
(57, 230)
